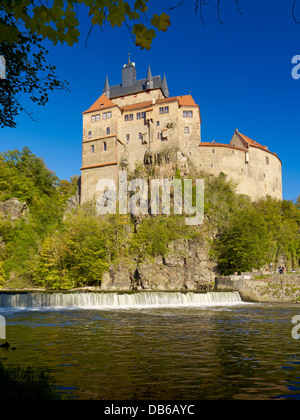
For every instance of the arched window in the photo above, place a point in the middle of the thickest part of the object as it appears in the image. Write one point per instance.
(104, 146)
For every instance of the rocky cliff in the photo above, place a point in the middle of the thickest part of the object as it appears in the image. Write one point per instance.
(187, 266)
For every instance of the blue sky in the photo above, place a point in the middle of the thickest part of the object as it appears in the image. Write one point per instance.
(238, 72)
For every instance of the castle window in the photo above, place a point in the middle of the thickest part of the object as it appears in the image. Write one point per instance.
(158, 135)
(157, 123)
(129, 117)
(106, 115)
(104, 146)
(187, 114)
(92, 148)
(186, 129)
(127, 137)
(141, 136)
(140, 115)
(213, 150)
(267, 160)
(89, 134)
(108, 130)
(164, 110)
(97, 117)
(93, 118)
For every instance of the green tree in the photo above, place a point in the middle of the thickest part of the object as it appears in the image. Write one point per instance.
(244, 244)
(27, 71)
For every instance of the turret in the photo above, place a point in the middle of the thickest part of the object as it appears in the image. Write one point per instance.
(149, 79)
(164, 87)
(106, 89)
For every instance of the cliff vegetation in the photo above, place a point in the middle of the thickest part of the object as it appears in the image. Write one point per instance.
(53, 247)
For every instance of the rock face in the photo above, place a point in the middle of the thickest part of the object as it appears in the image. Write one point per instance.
(12, 209)
(187, 266)
(72, 204)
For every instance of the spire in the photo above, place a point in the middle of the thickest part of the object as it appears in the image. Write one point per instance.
(106, 89)
(164, 86)
(149, 79)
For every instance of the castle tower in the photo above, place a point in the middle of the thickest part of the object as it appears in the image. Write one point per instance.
(128, 74)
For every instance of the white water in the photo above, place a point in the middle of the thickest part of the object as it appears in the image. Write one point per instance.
(114, 300)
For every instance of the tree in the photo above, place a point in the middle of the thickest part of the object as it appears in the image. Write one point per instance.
(27, 72)
(245, 244)
(58, 20)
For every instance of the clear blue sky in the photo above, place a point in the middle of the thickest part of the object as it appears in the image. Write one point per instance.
(238, 72)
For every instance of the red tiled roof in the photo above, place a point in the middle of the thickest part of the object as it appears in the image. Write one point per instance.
(186, 100)
(250, 141)
(214, 144)
(98, 165)
(101, 103)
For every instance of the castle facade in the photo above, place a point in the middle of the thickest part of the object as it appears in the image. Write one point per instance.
(137, 120)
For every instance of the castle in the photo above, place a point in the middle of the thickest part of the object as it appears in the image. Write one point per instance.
(138, 120)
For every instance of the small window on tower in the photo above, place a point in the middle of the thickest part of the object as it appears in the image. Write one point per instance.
(108, 130)
(104, 146)
(93, 118)
(267, 160)
(186, 129)
(127, 137)
(89, 134)
(92, 148)
(97, 117)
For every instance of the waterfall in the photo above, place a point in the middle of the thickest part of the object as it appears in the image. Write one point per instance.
(103, 300)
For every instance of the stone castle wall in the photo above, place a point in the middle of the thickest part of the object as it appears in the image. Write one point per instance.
(118, 136)
(256, 172)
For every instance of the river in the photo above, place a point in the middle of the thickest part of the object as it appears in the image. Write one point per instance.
(214, 349)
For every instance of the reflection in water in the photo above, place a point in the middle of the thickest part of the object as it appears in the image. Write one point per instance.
(241, 352)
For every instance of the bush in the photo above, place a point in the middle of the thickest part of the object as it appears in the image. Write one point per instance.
(18, 383)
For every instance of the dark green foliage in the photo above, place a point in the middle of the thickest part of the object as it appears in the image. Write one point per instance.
(25, 176)
(20, 384)
(27, 72)
(50, 250)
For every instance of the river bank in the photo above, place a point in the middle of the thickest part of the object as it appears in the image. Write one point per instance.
(264, 289)
(267, 289)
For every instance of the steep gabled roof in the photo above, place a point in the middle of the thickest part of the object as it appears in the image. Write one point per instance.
(101, 103)
(249, 141)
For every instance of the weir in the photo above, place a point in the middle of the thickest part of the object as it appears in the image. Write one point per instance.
(103, 300)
